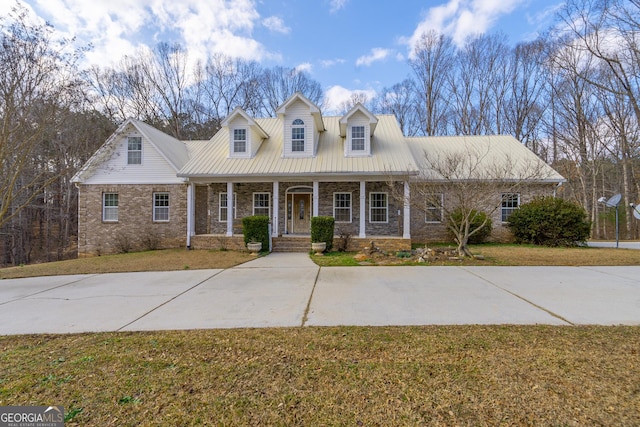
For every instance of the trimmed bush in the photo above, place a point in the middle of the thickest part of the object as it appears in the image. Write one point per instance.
(322, 230)
(477, 218)
(256, 229)
(550, 221)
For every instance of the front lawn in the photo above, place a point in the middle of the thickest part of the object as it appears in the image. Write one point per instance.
(444, 375)
(499, 254)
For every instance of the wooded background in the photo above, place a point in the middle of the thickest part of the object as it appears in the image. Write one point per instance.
(571, 96)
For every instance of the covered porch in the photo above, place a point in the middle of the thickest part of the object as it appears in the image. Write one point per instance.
(364, 211)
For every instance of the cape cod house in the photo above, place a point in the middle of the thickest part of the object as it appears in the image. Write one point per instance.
(145, 189)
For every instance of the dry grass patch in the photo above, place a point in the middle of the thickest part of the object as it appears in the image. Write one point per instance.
(163, 260)
(458, 375)
(538, 255)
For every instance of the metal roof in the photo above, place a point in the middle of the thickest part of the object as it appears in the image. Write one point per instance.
(486, 157)
(390, 155)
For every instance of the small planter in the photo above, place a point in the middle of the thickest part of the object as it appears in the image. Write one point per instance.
(254, 247)
(318, 247)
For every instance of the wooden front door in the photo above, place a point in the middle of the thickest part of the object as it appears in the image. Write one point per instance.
(301, 213)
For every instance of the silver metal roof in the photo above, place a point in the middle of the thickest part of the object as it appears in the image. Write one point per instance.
(389, 155)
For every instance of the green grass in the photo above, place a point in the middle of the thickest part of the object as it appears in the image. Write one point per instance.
(503, 255)
(457, 375)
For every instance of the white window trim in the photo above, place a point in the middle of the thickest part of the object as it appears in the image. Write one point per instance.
(364, 139)
(386, 208)
(168, 207)
(440, 208)
(350, 207)
(510, 209)
(235, 204)
(112, 208)
(260, 207)
(304, 137)
(135, 151)
(233, 141)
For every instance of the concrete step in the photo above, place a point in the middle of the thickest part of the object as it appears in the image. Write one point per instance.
(291, 244)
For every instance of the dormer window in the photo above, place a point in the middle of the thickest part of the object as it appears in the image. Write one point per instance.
(297, 136)
(239, 141)
(357, 138)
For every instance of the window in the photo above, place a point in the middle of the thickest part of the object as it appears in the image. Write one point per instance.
(378, 207)
(297, 136)
(134, 150)
(433, 208)
(110, 207)
(261, 203)
(510, 202)
(342, 207)
(239, 140)
(161, 207)
(223, 207)
(357, 138)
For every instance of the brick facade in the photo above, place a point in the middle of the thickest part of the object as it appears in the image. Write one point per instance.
(135, 228)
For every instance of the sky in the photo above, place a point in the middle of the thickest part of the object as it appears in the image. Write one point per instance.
(346, 45)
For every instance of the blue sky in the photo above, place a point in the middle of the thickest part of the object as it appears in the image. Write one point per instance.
(346, 45)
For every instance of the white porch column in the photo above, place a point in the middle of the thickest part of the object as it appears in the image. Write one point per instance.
(276, 209)
(190, 213)
(363, 210)
(406, 218)
(230, 203)
(316, 198)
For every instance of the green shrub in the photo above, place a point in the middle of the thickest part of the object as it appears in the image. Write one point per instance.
(550, 221)
(256, 229)
(322, 230)
(476, 220)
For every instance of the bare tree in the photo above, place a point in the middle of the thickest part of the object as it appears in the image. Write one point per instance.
(38, 85)
(280, 83)
(463, 180)
(432, 63)
(400, 100)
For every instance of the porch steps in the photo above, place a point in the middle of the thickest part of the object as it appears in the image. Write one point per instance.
(292, 244)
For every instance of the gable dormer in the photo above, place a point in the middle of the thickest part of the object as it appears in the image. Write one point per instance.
(245, 135)
(357, 128)
(302, 123)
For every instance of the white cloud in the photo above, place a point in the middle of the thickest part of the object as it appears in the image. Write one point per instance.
(303, 68)
(461, 19)
(276, 24)
(120, 27)
(377, 54)
(336, 5)
(328, 63)
(336, 96)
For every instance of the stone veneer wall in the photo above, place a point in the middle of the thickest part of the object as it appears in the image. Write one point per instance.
(135, 228)
(244, 205)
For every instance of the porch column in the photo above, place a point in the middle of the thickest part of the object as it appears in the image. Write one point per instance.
(316, 197)
(229, 209)
(276, 208)
(190, 212)
(363, 210)
(406, 218)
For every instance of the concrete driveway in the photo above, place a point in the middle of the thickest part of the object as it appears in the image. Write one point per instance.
(290, 290)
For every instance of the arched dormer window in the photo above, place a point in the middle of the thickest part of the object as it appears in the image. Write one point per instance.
(297, 136)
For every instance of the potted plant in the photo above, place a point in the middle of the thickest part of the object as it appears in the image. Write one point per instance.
(254, 247)
(318, 247)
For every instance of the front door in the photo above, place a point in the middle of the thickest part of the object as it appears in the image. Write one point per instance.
(301, 213)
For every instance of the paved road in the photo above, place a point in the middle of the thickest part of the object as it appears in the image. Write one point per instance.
(290, 290)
